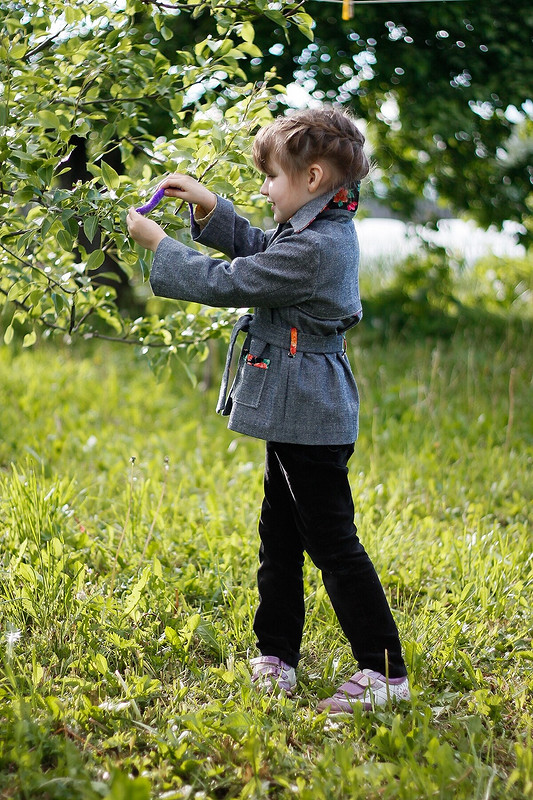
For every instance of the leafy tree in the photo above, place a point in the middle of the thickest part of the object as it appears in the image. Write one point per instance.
(446, 88)
(90, 78)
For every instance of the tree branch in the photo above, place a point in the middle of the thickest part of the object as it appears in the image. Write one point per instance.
(143, 343)
(43, 45)
(51, 281)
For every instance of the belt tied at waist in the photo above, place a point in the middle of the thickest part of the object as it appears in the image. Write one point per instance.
(306, 342)
(288, 339)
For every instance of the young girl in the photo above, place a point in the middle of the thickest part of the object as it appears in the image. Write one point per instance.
(294, 386)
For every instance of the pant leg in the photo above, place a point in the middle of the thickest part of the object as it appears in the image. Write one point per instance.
(279, 619)
(317, 481)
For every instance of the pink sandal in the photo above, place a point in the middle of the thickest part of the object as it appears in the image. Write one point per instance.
(271, 674)
(369, 688)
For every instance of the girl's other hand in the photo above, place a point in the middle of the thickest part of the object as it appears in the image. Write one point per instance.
(144, 231)
(189, 189)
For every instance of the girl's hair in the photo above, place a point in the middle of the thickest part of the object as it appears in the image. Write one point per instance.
(315, 134)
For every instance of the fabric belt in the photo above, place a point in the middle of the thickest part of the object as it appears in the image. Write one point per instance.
(307, 342)
(279, 337)
(242, 324)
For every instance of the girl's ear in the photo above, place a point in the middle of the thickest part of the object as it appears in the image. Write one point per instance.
(315, 177)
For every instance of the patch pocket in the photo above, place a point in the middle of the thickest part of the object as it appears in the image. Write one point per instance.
(253, 372)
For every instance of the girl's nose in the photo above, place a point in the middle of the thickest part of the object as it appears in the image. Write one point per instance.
(264, 189)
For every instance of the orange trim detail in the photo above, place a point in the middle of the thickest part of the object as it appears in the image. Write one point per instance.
(294, 342)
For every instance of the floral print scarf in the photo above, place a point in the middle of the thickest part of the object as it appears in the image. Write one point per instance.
(347, 199)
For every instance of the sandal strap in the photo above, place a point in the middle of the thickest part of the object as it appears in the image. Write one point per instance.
(269, 672)
(269, 665)
(358, 684)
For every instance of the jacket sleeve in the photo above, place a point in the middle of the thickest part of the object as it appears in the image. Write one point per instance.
(230, 233)
(284, 274)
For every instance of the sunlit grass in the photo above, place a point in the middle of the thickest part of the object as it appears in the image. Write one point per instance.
(128, 519)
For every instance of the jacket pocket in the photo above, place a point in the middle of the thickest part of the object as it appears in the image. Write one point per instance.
(251, 377)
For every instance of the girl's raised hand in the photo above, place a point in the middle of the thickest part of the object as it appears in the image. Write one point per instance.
(189, 189)
(148, 233)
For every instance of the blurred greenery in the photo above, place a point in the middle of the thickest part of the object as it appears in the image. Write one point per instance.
(446, 91)
(432, 294)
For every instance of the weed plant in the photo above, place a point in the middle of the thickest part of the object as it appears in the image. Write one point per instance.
(128, 539)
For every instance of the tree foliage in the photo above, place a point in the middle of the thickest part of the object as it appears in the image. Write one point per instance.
(96, 76)
(99, 100)
(447, 90)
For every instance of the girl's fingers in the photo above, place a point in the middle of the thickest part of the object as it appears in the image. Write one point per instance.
(173, 181)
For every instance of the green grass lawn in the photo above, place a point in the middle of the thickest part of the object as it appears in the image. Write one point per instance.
(128, 519)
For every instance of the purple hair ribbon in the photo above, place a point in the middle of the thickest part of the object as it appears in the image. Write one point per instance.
(151, 204)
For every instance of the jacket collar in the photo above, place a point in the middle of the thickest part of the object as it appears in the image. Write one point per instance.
(343, 199)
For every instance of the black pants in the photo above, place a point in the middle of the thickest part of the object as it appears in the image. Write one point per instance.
(308, 507)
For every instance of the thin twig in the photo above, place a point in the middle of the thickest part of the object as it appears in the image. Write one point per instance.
(139, 342)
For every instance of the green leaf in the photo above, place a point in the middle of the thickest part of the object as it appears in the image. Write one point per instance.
(110, 176)
(176, 103)
(72, 14)
(59, 302)
(107, 133)
(95, 260)
(65, 240)
(48, 119)
(29, 339)
(90, 224)
(277, 17)
(136, 592)
(247, 32)
(55, 706)
(100, 663)
(18, 289)
(112, 320)
(250, 49)
(17, 51)
(145, 269)
(172, 636)
(125, 788)
(23, 195)
(307, 32)
(8, 335)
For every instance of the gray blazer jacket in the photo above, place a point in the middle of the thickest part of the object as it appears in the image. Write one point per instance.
(293, 382)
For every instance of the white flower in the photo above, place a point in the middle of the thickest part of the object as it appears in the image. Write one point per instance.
(11, 637)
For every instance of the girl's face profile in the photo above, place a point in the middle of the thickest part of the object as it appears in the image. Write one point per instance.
(286, 193)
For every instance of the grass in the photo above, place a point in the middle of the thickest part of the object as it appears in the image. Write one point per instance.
(127, 584)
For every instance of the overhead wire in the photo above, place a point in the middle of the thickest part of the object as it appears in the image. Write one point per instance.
(349, 5)
(387, 2)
